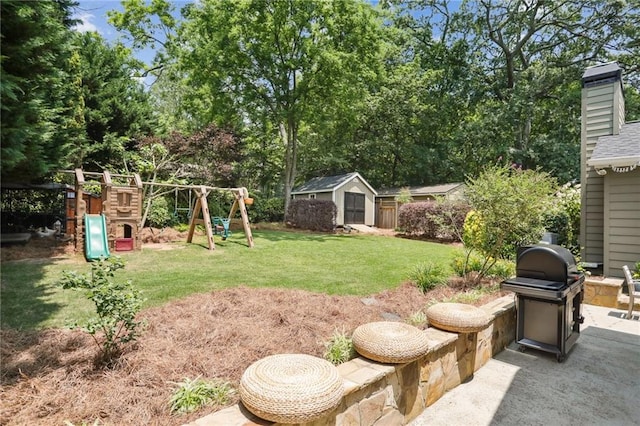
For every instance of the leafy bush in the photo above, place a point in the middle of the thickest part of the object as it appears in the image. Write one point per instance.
(339, 349)
(116, 306)
(267, 210)
(428, 276)
(472, 295)
(508, 211)
(159, 215)
(191, 395)
(312, 214)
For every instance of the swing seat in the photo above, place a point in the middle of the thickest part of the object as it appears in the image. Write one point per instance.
(221, 227)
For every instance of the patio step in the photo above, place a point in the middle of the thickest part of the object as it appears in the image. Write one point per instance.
(623, 301)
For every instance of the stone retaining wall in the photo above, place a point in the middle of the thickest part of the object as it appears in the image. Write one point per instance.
(602, 292)
(390, 395)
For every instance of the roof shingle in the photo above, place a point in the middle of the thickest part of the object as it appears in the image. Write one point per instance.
(625, 144)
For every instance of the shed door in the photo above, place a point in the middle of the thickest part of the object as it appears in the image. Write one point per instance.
(353, 208)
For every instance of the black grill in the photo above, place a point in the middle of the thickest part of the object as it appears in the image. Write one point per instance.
(549, 290)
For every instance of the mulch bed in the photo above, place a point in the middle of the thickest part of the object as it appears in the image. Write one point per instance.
(49, 376)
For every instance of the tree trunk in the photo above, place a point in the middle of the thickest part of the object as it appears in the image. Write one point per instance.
(288, 134)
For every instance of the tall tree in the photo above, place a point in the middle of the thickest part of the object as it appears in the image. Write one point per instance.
(117, 109)
(253, 60)
(40, 98)
(525, 61)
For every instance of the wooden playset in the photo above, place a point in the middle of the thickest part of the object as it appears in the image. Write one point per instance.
(122, 206)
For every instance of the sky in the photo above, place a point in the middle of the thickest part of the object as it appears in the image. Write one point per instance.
(93, 14)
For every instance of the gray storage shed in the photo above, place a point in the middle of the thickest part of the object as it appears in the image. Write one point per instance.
(353, 196)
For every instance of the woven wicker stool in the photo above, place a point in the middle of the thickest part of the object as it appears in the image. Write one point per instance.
(291, 388)
(390, 342)
(457, 317)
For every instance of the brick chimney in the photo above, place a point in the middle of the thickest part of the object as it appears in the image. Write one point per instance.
(602, 114)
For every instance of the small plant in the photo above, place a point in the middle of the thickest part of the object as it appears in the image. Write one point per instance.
(636, 272)
(339, 348)
(404, 196)
(191, 395)
(428, 276)
(465, 263)
(116, 306)
(417, 319)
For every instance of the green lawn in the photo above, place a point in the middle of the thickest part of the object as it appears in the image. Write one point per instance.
(332, 264)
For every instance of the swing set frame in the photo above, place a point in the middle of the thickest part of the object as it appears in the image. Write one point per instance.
(241, 199)
(241, 196)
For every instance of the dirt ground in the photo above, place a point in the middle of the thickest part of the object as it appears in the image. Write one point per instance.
(48, 377)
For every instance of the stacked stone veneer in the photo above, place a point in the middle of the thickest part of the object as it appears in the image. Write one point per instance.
(379, 394)
(602, 292)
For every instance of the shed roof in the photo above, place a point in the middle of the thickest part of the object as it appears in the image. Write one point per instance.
(328, 183)
(442, 189)
(618, 151)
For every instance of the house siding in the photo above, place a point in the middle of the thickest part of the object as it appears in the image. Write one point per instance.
(327, 196)
(622, 221)
(602, 115)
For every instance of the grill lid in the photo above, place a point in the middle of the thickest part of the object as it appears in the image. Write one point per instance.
(546, 262)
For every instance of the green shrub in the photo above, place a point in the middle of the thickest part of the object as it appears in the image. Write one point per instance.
(508, 207)
(267, 210)
(503, 269)
(339, 348)
(190, 395)
(428, 276)
(465, 262)
(116, 306)
(181, 227)
(159, 214)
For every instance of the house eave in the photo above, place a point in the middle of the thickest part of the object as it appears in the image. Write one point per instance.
(617, 164)
(312, 192)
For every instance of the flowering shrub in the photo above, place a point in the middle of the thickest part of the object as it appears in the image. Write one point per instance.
(563, 217)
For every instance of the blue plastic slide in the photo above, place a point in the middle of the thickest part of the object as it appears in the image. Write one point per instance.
(96, 243)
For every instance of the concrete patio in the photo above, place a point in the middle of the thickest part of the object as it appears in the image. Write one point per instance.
(598, 383)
